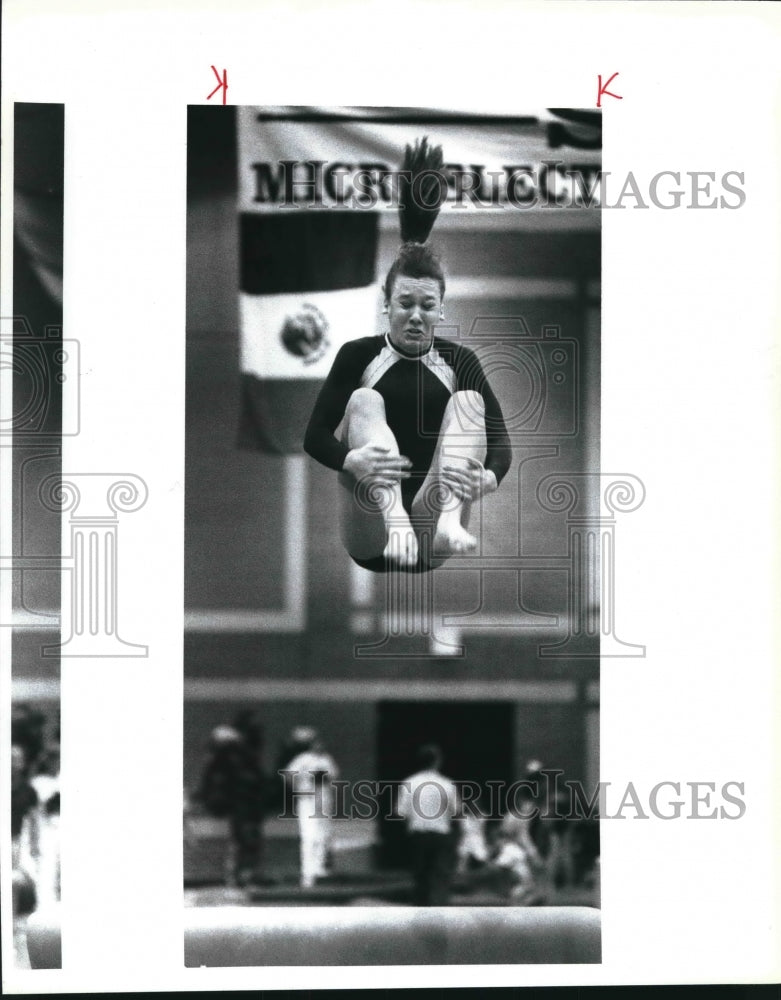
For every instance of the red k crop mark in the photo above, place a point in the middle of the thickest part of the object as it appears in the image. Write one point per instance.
(601, 89)
(222, 84)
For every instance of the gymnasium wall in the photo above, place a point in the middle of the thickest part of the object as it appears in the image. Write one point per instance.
(262, 541)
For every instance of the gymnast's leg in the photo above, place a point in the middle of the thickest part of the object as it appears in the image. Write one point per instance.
(375, 522)
(457, 461)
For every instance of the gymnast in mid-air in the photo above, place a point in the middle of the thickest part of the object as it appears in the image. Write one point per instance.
(407, 418)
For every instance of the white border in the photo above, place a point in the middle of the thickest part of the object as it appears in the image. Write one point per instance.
(690, 377)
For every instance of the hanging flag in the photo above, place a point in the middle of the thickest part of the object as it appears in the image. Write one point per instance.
(313, 184)
(307, 278)
(307, 287)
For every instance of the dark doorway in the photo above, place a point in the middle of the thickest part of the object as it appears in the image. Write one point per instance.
(476, 739)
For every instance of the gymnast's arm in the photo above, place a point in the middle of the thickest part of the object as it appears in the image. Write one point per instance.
(470, 375)
(319, 440)
(499, 453)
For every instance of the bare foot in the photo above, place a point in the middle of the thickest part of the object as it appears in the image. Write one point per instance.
(402, 547)
(451, 538)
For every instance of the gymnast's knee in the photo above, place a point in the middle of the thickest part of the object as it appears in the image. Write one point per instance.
(469, 402)
(367, 401)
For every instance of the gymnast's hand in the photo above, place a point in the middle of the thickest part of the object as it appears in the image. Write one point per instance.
(468, 482)
(371, 461)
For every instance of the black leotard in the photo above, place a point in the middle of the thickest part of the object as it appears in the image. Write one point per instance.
(416, 392)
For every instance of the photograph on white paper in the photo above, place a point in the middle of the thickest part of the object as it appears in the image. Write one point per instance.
(398, 539)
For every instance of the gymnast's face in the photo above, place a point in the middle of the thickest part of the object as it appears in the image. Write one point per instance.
(414, 306)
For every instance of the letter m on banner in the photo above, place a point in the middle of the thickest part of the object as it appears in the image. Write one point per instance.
(307, 270)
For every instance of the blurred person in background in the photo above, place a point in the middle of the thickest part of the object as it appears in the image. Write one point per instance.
(517, 851)
(233, 787)
(28, 731)
(428, 802)
(25, 821)
(309, 775)
(472, 847)
(248, 725)
(46, 784)
(518, 823)
(520, 884)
